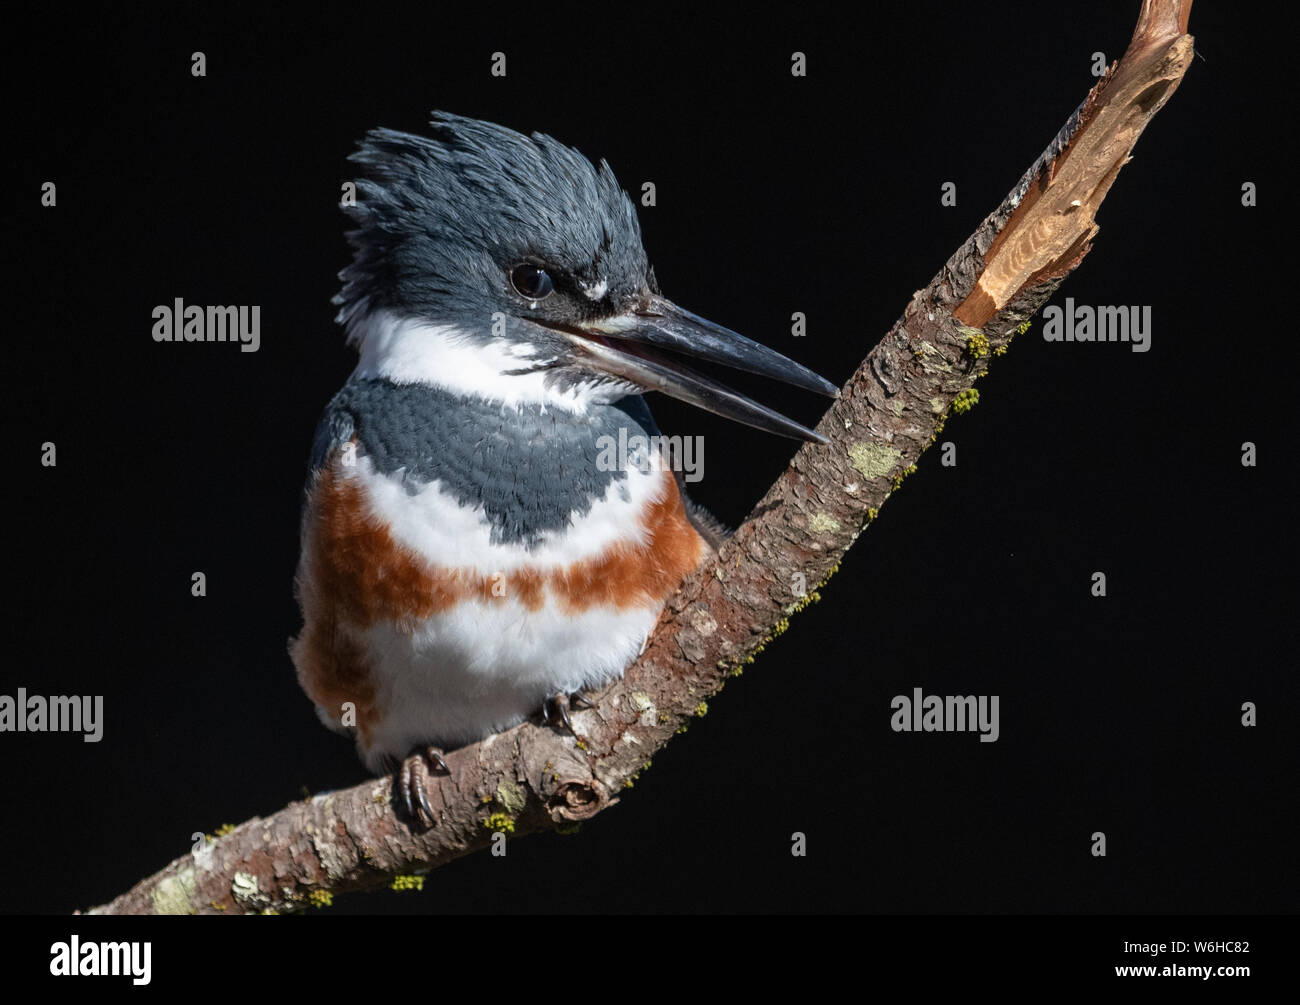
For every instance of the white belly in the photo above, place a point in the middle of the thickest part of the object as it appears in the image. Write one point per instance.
(481, 668)
(486, 664)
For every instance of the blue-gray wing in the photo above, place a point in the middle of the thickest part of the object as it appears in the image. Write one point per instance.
(336, 427)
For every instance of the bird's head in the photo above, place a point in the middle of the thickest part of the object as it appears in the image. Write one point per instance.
(490, 261)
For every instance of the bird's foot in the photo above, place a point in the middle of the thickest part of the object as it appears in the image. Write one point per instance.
(412, 782)
(555, 710)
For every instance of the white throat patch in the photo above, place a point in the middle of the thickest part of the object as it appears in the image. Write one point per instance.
(409, 351)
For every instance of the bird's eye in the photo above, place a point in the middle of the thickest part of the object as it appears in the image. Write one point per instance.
(530, 282)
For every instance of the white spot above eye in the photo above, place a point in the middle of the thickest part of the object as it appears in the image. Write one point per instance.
(596, 290)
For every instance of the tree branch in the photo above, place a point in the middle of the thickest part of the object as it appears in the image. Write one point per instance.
(533, 778)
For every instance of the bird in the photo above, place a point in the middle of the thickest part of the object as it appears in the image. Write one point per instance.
(472, 554)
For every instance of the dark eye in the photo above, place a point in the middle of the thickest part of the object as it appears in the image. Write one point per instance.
(530, 282)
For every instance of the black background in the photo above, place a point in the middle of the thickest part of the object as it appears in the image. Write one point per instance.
(775, 195)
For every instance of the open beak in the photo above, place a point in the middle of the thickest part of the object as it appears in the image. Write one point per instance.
(627, 346)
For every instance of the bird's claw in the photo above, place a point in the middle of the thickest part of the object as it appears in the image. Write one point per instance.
(555, 710)
(412, 782)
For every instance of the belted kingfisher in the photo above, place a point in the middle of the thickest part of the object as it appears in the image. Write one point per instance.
(467, 558)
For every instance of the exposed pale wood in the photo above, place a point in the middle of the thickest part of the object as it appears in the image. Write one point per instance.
(1054, 224)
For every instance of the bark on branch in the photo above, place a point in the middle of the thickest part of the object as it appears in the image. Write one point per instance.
(532, 778)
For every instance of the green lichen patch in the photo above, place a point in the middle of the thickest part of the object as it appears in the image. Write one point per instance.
(174, 894)
(511, 796)
(823, 523)
(244, 886)
(874, 460)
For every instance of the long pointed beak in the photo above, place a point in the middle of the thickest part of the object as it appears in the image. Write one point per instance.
(625, 346)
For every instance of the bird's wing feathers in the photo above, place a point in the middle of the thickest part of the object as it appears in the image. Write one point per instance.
(336, 427)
